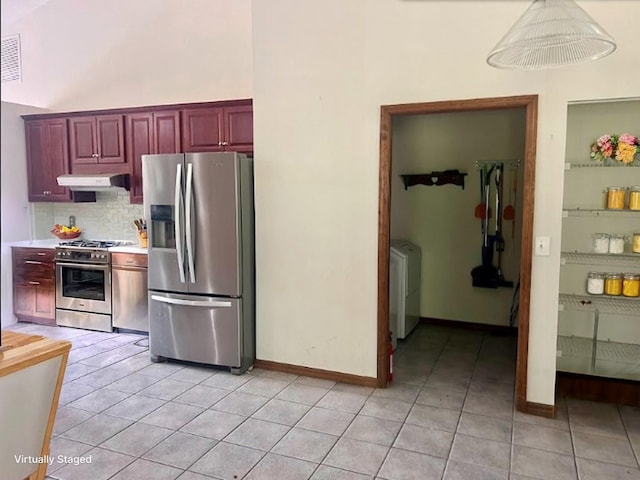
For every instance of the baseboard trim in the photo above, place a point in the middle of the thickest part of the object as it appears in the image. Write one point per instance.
(469, 325)
(316, 373)
(540, 409)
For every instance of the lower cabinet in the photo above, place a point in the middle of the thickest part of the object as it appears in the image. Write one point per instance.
(34, 295)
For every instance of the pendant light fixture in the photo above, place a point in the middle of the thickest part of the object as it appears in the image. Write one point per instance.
(551, 33)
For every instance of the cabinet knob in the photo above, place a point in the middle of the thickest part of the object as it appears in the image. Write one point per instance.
(219, 144)
(225, 143)
(95, 155)
(34, 283)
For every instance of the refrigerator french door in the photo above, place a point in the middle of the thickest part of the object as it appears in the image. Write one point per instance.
(199, 210)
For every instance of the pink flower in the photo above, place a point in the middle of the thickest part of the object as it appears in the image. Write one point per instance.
(628, 139)
(604, 140)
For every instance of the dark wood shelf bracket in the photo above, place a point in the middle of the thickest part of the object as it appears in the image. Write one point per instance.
(454, 177)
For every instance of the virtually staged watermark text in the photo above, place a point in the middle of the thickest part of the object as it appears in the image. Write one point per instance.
(50, 459)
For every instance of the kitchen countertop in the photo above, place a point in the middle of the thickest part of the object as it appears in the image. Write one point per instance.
(129, 249)
(48, 243)
(54, 242)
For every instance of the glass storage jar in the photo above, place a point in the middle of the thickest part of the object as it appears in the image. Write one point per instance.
(634, 198)
(595, 283)
(615, 198)
(616, 243)
(613, 283)
(601, 242)
(631, 285)
(635, 245)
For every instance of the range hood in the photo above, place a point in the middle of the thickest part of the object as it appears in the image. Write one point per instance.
(98, 182)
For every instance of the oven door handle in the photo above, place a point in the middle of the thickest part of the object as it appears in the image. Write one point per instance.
(178, 231)
(190, 303)
(85, 266)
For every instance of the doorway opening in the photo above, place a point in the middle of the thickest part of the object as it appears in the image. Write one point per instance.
(528, 103)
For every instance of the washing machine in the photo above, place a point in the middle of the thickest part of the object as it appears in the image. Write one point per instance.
(405, 262)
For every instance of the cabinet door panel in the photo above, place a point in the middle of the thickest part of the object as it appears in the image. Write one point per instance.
(47, 158)
(37, 166)
(202, 130)
(139, 142)
(58, 157)
(238, 122)
(111, 139)
(44, 302)
(167, 132)
(23, 299)
(149, 133)
(84, 141)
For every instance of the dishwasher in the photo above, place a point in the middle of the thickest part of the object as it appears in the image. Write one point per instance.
(129, 291)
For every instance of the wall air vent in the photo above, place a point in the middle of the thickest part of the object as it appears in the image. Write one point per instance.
(11, 62)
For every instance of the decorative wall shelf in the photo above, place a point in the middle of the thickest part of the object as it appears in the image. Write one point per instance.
(446, 177)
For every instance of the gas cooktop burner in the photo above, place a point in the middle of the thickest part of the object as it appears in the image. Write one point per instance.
(87, 251)
(93, 243)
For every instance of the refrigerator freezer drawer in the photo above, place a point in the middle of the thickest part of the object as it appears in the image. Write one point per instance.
(195, 328)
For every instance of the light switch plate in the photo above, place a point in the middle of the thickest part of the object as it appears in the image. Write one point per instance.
(542, 246)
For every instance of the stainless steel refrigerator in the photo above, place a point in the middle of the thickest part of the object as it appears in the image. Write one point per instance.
(200, 222)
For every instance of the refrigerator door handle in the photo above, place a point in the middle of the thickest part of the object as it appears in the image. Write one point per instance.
(178, 232)
(190, 303)
(189, 232)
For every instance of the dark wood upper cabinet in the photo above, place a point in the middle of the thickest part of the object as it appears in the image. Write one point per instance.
(113, 141)
(149, 133)
(166, 127)
(202, 130)
(221, 129)
(47, 158)
(238, 123)
(97, 144)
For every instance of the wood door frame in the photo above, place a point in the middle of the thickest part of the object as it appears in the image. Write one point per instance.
(387, 112)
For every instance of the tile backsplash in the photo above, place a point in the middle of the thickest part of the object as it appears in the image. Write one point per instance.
(110, 217)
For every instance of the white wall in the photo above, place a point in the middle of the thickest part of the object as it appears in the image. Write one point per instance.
(440, 219)
(15, 218)
(91, 54)
(321, 72)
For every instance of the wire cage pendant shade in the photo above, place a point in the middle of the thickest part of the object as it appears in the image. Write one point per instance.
(551, 33)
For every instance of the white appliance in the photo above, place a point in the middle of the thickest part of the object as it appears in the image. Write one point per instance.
(405, 262)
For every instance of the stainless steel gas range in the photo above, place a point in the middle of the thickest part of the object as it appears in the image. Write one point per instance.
(83, 284)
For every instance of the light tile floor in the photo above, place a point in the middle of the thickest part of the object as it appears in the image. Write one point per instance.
(449, 414)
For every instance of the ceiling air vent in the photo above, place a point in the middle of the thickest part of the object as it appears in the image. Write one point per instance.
(11, 71)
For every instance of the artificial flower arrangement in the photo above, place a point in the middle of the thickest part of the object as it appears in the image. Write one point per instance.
(623, 148)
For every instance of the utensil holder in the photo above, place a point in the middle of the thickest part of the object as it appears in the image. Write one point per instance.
(142, 239)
